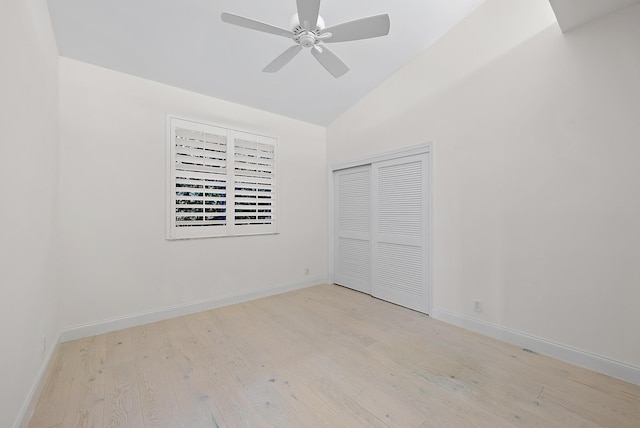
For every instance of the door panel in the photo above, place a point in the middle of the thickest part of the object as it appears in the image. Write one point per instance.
(400, 231)
(352, 236)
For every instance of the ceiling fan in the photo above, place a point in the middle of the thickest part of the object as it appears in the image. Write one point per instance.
(308, 31)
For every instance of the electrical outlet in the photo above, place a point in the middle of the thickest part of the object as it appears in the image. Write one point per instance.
(477, 306)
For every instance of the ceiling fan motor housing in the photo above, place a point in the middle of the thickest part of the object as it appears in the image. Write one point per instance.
(306, 38)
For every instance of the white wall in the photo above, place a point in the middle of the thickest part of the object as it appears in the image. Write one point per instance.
(536, 170)
(28, 150)
(114, 259)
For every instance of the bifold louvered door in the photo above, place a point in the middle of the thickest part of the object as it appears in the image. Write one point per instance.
(400, 231)
(381, 238)
(352, 237)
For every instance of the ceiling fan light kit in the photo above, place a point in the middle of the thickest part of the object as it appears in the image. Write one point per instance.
(308, 31)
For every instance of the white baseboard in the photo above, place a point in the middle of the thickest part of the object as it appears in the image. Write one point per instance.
(31, 400)
(562, 352)
(105, 326)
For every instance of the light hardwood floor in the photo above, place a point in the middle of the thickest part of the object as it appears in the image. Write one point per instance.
(324, 356)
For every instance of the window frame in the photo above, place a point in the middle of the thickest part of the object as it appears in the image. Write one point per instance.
(230, 228)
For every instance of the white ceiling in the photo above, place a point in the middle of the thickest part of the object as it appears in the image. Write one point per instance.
(573, 13)
(184, 43)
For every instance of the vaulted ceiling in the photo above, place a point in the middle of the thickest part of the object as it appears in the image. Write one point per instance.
(185, 44)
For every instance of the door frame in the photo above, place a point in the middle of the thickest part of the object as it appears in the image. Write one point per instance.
(380, 157)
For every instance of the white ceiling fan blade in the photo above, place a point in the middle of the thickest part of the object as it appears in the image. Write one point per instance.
(329, 61)
(283, 59)
(308, 11)
(365, 28)
(252, 24)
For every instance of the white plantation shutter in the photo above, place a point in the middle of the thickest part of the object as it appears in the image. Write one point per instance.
(199, 181)
(254, 183)
(221, 182)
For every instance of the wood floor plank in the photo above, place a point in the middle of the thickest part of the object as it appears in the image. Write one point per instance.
(196, 404)
(86, 400)
(351, 412)
(324, 356)
(592, 405)
(51, 407)
(159, 405)
(122, 400)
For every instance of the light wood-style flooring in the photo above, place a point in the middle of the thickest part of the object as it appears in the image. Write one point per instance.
(324, 356)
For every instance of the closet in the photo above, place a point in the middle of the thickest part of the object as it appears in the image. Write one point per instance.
(381, 228)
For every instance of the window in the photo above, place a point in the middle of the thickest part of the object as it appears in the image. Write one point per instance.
(221, 182)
